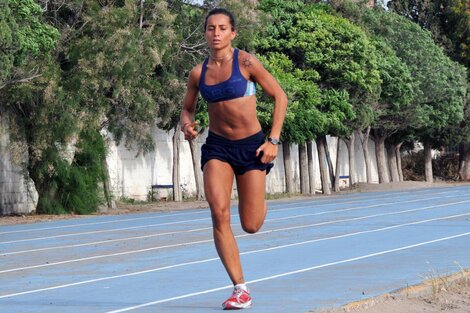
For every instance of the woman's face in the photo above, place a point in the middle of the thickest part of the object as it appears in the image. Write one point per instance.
(219, 33)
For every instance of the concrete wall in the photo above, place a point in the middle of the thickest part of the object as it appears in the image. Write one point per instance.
(133, 175)
(17, 192)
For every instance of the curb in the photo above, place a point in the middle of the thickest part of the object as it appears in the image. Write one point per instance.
(427, 288)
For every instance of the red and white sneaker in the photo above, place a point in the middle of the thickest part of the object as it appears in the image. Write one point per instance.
(240, 299)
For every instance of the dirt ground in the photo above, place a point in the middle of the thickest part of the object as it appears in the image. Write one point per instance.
(441, 294)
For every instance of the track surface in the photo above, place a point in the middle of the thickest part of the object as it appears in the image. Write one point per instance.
(314, 253)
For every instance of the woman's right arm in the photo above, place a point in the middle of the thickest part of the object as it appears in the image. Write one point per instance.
(187, 122)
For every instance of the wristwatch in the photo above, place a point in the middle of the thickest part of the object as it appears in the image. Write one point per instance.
(274, 141)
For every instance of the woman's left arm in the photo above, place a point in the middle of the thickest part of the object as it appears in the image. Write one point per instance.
(272, 88)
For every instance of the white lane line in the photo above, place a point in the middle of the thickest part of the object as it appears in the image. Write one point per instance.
(353, 208)
(202, 229)
(95, 243)
(105, 230)
(210, 240)
(105, 222)
(316, 201)
(303, 270)
(193, 220)
(242, 253)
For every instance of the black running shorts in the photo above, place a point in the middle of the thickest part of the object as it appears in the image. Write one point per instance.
(240, 154)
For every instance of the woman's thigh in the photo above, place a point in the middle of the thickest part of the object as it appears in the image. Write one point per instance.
(218, 182)
(251, 196)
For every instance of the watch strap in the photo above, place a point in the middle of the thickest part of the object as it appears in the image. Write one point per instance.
(274, 141)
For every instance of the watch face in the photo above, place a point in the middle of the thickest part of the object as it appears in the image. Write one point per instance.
(274, 141)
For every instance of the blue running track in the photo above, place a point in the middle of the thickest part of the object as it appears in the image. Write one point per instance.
(310, 253)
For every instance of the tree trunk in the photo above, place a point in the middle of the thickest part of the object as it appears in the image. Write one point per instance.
(303, 161)
(392, 163)
(197, 169)
(337, 168)
(111, 204)
(177, 195)
(350, 144)
(141, 19)
(311, 170)
(398, 156)
(464, 161)
(365, 149)
(289, 175)
(380, 154)
(428, 162)
(323, 164)
(328, 159)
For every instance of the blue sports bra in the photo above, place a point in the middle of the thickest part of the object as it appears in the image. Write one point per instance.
(236, 86)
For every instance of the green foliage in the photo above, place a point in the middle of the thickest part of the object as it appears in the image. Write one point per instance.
(438, 83)
(433, 72)
(457, 28)
(113, 65)
(337, 49)
(331, 54)
(449, 23)
(249, 21)
(303, 120)
(276, 34)
(73, 188)
(447, 20)
(393, 110)
(23, 35)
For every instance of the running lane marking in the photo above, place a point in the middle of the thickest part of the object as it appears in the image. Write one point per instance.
(199, 229)
(208, 218)
(242, 253)
(106, 241)
(105, 231)
(316, 201)
(351, 209)
(362, 257)
(238, 236)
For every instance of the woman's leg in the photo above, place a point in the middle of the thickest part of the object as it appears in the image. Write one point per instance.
(218, 181)
(251, 198)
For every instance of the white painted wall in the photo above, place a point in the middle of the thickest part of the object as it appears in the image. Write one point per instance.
(17, 192)
(133, 175)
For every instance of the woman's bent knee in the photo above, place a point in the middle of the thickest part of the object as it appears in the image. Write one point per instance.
(251, 227)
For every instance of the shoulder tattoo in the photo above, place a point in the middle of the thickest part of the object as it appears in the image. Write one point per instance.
(247, 62)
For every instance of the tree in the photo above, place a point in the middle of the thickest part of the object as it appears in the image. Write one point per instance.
(448, 22)
(107, 73)
(23, 37)
(303, 120)
(393, 110)
(438, 96)
(344, 58)
(336, 55)
(299, 85)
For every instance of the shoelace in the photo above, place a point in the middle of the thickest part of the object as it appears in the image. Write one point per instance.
(237, 293)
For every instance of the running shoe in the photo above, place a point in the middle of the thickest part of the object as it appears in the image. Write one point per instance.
(240, 299)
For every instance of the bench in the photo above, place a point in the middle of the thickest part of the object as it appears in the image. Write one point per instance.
(344, 180)
(169, 186)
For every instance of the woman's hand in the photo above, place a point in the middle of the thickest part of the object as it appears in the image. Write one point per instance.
(269, 152)
(189, 130)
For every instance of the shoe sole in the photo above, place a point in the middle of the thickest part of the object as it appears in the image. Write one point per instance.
(230, 306)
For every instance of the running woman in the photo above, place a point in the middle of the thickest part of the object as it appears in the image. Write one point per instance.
(235, 146)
